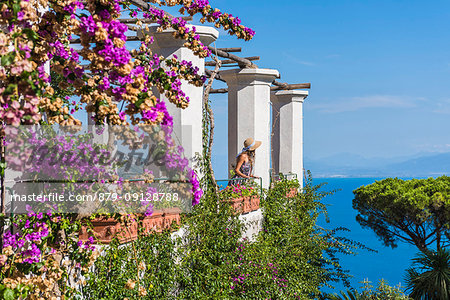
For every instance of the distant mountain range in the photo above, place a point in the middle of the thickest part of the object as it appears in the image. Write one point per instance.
(352, 165)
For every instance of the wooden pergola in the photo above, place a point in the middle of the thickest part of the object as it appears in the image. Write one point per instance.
(219, 57)
(226, 53)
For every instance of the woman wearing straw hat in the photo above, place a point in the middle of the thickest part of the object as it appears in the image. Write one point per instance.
(244, 162)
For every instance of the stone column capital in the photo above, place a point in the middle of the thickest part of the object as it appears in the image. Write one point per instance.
(165, 38)
(248, 76)
(287, 96)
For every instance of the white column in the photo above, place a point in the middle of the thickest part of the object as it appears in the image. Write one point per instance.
(249, 114)
(287, 141)
(187, 122)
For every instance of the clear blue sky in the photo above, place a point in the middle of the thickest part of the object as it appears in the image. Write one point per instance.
(379, 71)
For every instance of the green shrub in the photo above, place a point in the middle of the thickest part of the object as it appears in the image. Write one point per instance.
(382, 292)
(291, 258)
(142, 268)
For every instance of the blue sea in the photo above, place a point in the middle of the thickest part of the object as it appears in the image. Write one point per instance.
(388, 264)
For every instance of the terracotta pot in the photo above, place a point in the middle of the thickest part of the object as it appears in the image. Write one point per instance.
(255, 202)
(236, 204)
(292, 193)
(247, 204)
(154, 222)
(105, 229)
(156, 213)
(171, 215)
(171, 211)
(128, 233)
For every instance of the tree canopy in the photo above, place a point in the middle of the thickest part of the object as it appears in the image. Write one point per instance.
(415, 211)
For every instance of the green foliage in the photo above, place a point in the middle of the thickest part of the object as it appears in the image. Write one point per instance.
(382, 292)
(19, 292)
(208, 248)
(8, 59)
(295, 240)
(143, 268)
(291, 258)
(429, 276)
(415, 211)
(350, 294)
(58, 79)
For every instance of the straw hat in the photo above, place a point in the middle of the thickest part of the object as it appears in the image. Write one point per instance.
(251, 144)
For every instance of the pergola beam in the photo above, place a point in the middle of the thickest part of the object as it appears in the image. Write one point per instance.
(241, 61)
(286, 86)
(230, 61)
(237, 49)
(209, 73)
(129, 39)
(278, 87)
(218, 91)
(146, 6)
(132, 28)
(147, 21)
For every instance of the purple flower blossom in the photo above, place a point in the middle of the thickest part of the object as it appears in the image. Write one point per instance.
(104, 14)
(72, 7)
(20, 15)
(88, 25)
(32, 255)
(151, 114)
